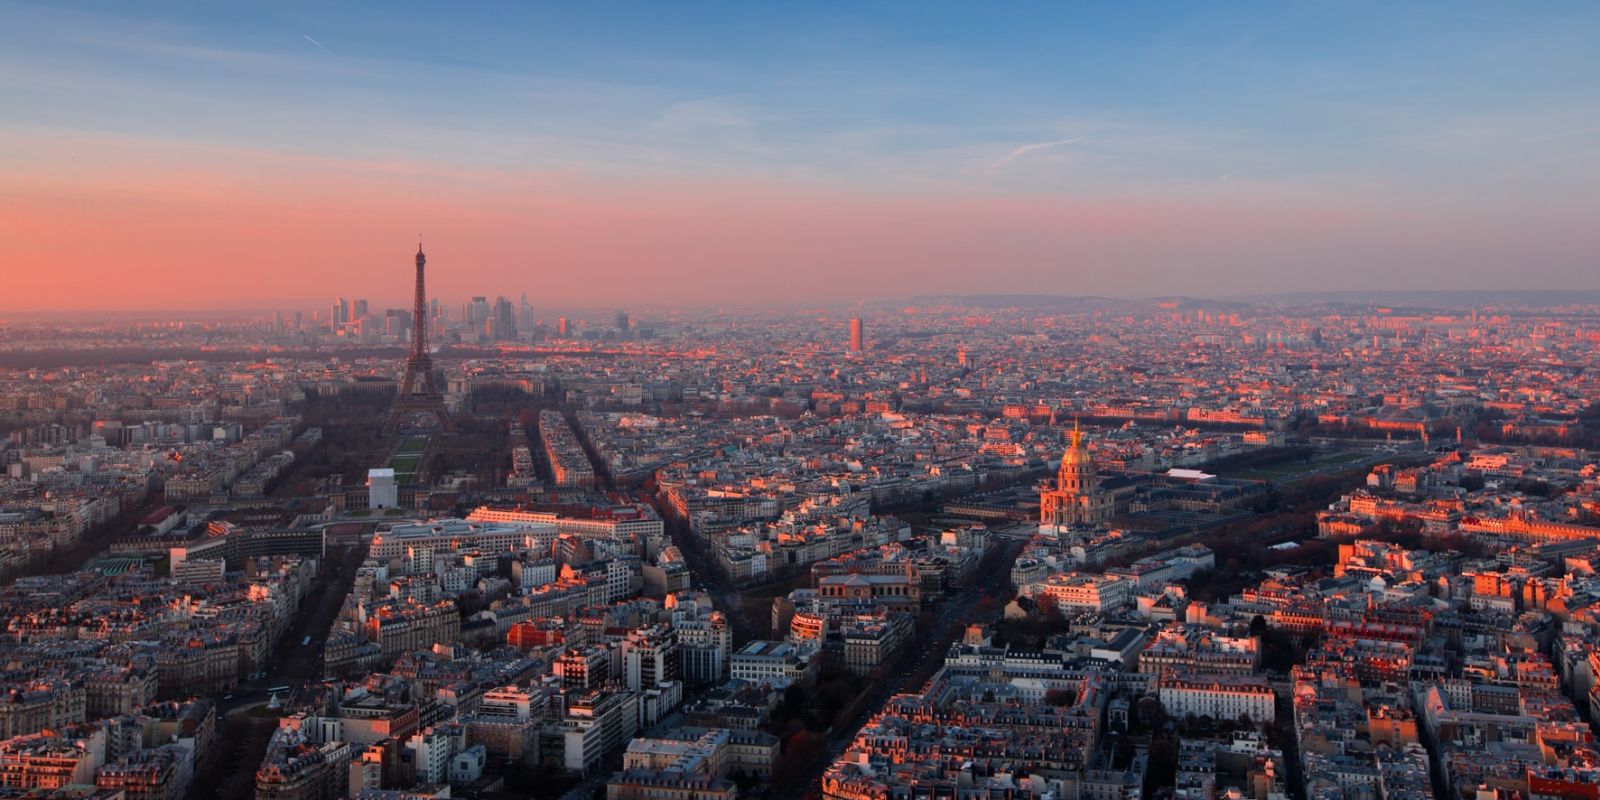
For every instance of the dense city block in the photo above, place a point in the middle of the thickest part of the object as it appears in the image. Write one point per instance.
(1165, 549)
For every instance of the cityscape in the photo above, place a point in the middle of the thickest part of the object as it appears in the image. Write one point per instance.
(1001, 513)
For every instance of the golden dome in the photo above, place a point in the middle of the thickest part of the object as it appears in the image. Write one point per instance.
(1076, 454)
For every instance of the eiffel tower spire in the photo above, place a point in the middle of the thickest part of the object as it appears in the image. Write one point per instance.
(419, 396)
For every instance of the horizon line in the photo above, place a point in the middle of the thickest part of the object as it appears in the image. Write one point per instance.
(1575, 296)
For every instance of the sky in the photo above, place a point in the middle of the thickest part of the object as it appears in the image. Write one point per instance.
(596, 154)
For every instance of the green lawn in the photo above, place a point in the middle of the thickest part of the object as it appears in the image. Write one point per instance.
(1297, 469)
(407, 458)
(412, 445)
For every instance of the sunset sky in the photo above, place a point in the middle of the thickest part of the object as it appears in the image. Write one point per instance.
(590, 154)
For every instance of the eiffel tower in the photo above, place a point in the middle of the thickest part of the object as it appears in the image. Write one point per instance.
(419, 398)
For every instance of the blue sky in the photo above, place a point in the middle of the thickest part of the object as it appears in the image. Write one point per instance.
(1489, 110)
(1160, 92)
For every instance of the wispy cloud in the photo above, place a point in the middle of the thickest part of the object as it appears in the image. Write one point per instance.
(319, 45)
(867, 117)
(1028, 149)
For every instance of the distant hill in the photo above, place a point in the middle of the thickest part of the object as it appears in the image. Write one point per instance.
(1401, 301)
(1052, 302)
(1210, 304)
(1442, 298)
(1058, 302)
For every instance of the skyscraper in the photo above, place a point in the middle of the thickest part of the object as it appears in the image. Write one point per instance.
(855, 335)
(339, 315)
(396, 322)
(525, 319)
(505, 319)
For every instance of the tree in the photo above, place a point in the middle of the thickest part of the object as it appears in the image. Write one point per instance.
(1533, 487)
(1148, 713)
(801, 747)
(1258, 626)
(1163, 766)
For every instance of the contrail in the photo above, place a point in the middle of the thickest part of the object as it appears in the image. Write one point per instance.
(319, 45)
(1030, 148)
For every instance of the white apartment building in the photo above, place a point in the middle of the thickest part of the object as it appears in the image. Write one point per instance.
(447, 535)
(1079, 592)
(1217, 696)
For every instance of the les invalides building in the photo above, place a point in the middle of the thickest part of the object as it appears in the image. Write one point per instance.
(1076, 502)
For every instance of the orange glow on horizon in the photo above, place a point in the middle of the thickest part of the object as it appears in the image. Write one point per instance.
(170, 229)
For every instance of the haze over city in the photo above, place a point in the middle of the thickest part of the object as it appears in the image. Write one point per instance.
(190, 156)
(749, 401)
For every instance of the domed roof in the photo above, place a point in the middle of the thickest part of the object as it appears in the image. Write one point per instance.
(1076, 454)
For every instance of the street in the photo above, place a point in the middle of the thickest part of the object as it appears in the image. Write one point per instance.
(242, 736)
(915, 666)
